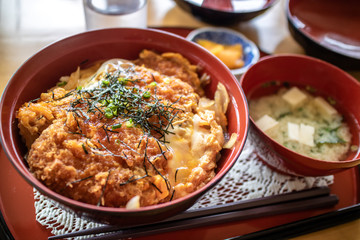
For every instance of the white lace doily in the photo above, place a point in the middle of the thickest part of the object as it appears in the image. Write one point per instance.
(249, 178)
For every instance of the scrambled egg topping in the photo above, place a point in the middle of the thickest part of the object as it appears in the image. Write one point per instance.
(126, 134)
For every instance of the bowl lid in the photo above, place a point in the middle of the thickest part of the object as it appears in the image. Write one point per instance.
(330, 23)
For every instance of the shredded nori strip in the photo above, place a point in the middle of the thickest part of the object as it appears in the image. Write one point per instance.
(132, 179)
(84, 148)
(76, 181)
(172, 195)
(32, 101)
(156, 187)
(176, 172)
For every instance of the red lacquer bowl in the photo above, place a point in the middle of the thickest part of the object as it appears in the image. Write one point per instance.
(43, 70)
(327, 29)
(328, 80)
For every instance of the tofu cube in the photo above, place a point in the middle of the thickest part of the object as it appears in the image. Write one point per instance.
(266, 123)
(306, 135)
(294, 96)
(293, 131)
(324, 107)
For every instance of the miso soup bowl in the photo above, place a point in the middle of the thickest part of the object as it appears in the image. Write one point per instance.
(327, 80)
(42, 71)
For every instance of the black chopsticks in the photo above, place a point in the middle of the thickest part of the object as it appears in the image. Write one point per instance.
(305, 226)
(267, 206)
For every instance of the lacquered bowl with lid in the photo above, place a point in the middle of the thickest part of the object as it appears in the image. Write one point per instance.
(327, 29)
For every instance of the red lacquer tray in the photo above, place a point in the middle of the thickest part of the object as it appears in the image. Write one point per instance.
(17, 204)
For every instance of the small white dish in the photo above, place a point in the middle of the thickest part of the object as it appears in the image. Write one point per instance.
(227, 36)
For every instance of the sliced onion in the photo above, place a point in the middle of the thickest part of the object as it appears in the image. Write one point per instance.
(229, 144)
(133, 203)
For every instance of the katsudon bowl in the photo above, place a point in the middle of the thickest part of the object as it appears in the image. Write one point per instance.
(313, 77)
(42, 72)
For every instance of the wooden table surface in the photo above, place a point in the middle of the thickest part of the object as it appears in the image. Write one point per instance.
(26, 26)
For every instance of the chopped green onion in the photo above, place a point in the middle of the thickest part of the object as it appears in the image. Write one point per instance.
(129, 123)
(153, 84)
(116, 126)
(122, 80)
(105, 83)
(112, 106)
(103, 102)
(61, 84)
(108, 113)
(146, 94)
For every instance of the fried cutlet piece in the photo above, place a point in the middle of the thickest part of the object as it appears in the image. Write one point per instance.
(34, 117)
(172, 64)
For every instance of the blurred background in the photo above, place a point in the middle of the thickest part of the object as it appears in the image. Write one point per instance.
(28, 25)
